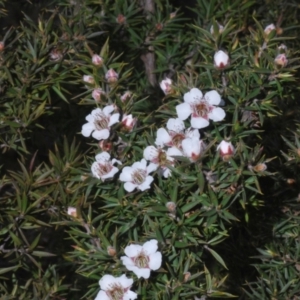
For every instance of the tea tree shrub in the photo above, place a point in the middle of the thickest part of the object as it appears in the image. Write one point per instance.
(149, 150)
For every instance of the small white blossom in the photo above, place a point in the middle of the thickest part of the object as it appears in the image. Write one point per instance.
(160, 158)
(269, 29)
(115, 288)
(221, 59)
(200, 108)
(137, 176)
(142, 259)
(165, 85)
(99, 123)
(174, 135)
(103, 168)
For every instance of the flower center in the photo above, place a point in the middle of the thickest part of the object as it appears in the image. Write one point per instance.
(105, 168)
(177, 139)
(142, 260)
(101, 121)
(201, 109)
(139, 176)
(116, 292)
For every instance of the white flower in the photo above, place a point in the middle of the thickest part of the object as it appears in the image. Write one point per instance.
(88, 79)
(128, 122)
(192, 148)
(142, 259)
(103, 167)
(165, 85)
(160, 158)
(99, 122)
(97, 60)
(281, 60)
(115, 288)
(97, 94)
(221, 59)
(137, 176)
(269, 28)
(201, 108)
(226, 150)
(174, 135)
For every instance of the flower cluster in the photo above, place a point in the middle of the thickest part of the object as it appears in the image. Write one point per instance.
(140, 260)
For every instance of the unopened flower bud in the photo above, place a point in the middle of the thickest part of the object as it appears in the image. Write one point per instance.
(269, 29)
(128, 122)
(126, 96)
(165, 85)
(281, 60)
(97, 60)
(226, 150)
(282, 48)
(105, 145)
(88, 79)
(2, 46)
(121, 19)
(171, 206)
(72, 211)
(55, 54)
(186, 276)
(97, 94)
(111, 251)
(221, 28)
(221, 59)
(261, 167)
(172, 15)
(159, 26)
(111, 76)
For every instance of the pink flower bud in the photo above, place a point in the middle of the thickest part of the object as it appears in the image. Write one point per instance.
(97, 94)
(111, 76)
(126, 96)
(2, 46)
(226, 150)
(269, 29)
(221, 59)
(121, 19)
(281, 60)
(111, 251)
(165, 85)
(128, 122)
(97, 60)
(72, 211)
(55, 54)
(171, 206)
(105, 145)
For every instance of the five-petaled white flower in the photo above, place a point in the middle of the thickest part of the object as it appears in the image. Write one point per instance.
(174, 135)
(103, 168)
(142, 259)
(201, 108)
(160, 158)
(137, 176)
(115, 288)
(99, 122)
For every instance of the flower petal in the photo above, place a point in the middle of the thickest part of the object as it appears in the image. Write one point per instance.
(102, 157)
(102, 296)
(108, 109)
(199, 122)
(130, 295)
(155, 261)
(152, 167)
(193, 95)
(150, 247)
(87, 129)
(150, 153)
(101, 134)
(133, 250)
(126, 174)
(217, 114)
(96, 111)
(106, 281)
(183, 111)
(166, 172)
(114, 119)
(127, 262)
(175, 125)
(129, 186)
(141, 272)
(173, 151)
(213, 97)
(110, 174)
(124, 281)
(162, 137)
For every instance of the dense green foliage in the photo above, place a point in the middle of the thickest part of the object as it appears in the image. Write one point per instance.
(235, 229)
